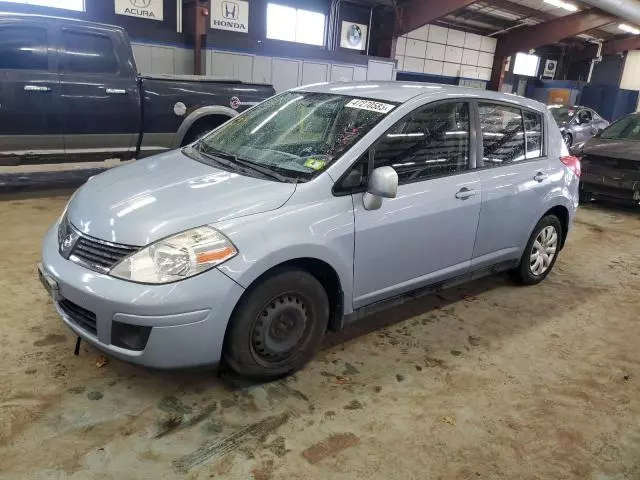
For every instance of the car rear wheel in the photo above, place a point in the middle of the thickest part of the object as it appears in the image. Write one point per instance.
(277, 326)
(541, 252)
(568, 139)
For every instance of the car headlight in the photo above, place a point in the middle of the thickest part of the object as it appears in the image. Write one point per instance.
(177, 257)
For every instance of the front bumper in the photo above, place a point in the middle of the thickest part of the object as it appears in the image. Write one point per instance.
(188, 319)
(612, 188)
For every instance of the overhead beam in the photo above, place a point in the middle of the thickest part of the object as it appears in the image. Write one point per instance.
(621, 45)
(418, 13)
(552, 31)
(526, 38)
(528, 12)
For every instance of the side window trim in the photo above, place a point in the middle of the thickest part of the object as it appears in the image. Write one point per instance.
(543, 134)
(479, 138)
(86, 31)
(472, 152)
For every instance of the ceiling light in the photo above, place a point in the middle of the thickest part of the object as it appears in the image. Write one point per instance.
(628, 28)
(560, 4)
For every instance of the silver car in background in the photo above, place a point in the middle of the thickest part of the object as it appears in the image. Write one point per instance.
(577, 124)
(307, 212)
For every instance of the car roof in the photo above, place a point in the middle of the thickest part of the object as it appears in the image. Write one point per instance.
(401, 92)
(49, 18)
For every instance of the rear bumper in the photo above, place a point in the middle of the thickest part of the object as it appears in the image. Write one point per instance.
(188, 319)
(627, 191)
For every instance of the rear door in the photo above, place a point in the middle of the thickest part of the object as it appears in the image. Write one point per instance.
(99, 93)
(516, 177)
(29, 93)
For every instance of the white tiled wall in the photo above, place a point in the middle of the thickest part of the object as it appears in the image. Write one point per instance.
(444, 51)
(285, 73)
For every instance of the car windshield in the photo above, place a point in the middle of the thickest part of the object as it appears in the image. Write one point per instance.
(295, 135)
(562, 114)
(627, 128)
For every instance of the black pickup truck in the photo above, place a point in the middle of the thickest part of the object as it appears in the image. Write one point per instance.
(70, 91)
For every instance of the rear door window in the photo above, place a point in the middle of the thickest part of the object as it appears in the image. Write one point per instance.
(87, 52)
(24, 48)
(502, 134)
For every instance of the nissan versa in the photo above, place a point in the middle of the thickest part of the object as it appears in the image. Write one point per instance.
(306, 212)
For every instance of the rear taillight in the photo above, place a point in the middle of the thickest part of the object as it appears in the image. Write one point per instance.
(573, 163)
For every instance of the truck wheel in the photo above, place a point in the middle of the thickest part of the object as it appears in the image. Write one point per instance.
(201, 127)
(277, 326)
(541, 252)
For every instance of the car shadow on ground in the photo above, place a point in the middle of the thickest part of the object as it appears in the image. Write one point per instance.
(201, 377)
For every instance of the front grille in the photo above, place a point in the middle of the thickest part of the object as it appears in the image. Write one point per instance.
(99, 255)
(82, 317)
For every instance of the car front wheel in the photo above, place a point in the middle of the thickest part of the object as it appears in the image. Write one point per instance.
(277, 326)
(541, 252)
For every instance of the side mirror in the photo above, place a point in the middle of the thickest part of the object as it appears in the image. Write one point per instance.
(383, 183)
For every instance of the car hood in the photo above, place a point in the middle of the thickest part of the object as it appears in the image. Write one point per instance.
(624, 149)
(145, 200)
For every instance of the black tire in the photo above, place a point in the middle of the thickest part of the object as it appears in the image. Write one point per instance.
(524, 274)
(585, 197)
(278, 325)
(568, 139)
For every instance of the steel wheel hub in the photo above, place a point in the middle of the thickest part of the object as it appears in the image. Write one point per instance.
(543, 250)
(279, 327)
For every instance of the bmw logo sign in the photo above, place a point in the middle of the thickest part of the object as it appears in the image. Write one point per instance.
(354, 35)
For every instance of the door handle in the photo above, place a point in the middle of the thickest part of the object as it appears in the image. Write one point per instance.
(36, 88)
(465, 193)
(116, 91)
(540, 177)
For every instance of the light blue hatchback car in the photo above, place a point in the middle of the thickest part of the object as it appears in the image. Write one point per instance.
(306, 212)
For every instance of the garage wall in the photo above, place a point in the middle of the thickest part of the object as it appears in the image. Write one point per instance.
(631, 73)
(436, 50)
(285, 73)
(156, 59)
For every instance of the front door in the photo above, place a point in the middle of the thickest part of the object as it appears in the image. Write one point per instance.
(426, 234)
(99, 94)
(517, 173)
(29, 94)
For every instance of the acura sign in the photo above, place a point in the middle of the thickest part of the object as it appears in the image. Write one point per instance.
(149, 9)
(231, 15)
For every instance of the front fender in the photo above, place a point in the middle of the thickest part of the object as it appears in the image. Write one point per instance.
(306, 227)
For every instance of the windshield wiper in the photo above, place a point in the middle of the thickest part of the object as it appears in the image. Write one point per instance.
(245, 163)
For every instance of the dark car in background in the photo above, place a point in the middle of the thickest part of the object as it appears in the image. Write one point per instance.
(577, 124)
(70, 91)
(611, 162)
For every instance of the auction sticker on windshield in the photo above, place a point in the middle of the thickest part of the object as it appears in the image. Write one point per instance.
(370, 105)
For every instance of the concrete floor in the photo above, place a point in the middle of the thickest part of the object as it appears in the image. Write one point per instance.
(486, 381)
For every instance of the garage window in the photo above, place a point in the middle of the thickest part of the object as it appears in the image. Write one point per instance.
(77, 5)
(23, 48)
(295, 25)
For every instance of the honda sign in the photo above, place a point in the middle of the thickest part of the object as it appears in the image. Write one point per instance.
(232, 15)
